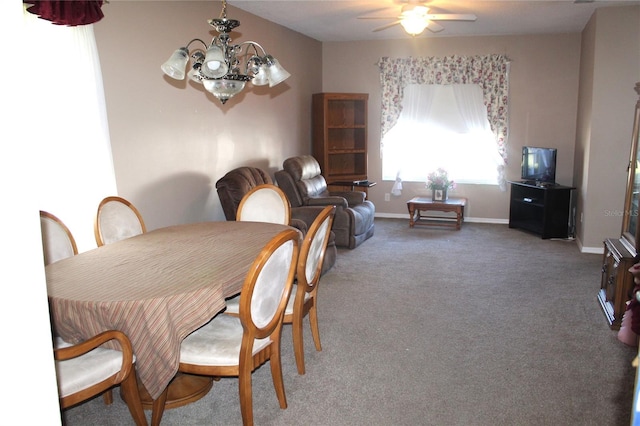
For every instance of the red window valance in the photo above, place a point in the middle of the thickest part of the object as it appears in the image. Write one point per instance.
(65, 12)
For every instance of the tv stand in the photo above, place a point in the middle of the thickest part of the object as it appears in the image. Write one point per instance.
(542, 210)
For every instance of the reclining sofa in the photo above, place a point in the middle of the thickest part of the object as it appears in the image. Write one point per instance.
(237, 182)
(302, 182)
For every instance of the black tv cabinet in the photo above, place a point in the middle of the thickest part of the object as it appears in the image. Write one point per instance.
(540, 209)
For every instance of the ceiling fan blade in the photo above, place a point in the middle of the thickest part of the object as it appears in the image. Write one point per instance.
(377, 17)
(434, 27)
(451, 17)
(384, 27)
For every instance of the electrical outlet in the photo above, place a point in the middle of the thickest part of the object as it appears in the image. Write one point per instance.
(387, 196)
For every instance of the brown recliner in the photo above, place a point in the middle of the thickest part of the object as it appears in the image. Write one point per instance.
(302, 181)
(237, 182)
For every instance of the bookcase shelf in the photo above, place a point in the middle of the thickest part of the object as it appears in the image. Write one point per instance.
(340, 135)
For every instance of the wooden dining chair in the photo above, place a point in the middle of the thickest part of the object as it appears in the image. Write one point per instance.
(265, 203)
(236, 346)
(117, 219)
(57, 241)
(85, 370)
(304, 295)
(303, 300)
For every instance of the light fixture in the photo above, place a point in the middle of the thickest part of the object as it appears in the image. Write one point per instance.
(224, 68)
(414, 19)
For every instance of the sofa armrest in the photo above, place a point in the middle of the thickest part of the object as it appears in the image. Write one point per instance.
(300, 224)
(353, 197)
(306, 214)
(327, 201)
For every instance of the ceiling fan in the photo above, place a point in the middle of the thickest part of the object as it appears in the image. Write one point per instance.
(415, 18)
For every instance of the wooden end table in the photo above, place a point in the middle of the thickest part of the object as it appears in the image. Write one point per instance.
(418, 206)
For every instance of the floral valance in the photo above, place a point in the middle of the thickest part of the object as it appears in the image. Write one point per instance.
(488, 71)
(65, 12)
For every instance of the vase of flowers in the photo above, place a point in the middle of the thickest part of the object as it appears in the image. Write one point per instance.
(439, 183)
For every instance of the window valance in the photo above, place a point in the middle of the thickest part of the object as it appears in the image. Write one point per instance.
(65, 12)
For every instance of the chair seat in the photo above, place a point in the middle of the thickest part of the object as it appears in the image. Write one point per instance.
(86, 370)
(289, 309)
(217, 343)
(233, 304)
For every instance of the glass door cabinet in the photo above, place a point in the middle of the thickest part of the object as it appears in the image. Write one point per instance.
(620, 254)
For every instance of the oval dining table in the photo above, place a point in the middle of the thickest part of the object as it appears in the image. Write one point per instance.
(157, 288)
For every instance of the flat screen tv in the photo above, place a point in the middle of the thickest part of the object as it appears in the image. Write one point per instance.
(539, 164)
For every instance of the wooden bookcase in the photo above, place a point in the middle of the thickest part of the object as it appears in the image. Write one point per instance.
(340, 135)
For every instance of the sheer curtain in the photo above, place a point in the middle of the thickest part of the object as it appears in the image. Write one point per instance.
(441, 126)
(68, 133)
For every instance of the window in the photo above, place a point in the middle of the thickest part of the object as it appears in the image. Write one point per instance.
(68, 132)
(444, 123)
(442, 126)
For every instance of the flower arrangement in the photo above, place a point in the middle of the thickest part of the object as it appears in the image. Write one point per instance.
(439, 179)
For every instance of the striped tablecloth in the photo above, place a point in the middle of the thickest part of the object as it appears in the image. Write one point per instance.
(156, 288)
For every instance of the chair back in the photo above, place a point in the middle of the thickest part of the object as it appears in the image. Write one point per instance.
(235, 184)
(314, 248)
(305, 179)
(116, 220)
(265, 203)
(57, 241)
(267, 287)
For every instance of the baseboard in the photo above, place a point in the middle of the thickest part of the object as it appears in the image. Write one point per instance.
(589, 250)
(405, 216)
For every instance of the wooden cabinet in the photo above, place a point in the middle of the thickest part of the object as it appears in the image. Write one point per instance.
(620, 254)
(543, 210)
(340, 135)
(616, 282)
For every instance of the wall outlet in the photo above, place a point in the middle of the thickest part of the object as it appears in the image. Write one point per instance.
(387, 196)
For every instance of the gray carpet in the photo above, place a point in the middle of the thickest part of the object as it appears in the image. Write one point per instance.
(483, 326)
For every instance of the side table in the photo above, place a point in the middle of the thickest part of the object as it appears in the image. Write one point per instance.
(418, 206)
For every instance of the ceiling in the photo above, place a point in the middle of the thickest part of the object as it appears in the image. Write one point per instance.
(337, 20)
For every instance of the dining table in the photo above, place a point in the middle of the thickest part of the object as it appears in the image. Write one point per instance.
(157, 288)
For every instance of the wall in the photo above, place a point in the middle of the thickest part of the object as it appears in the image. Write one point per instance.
(609, 69)
(543, 102)
(171, 140)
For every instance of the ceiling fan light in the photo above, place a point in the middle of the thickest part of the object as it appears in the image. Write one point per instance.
(414, 25)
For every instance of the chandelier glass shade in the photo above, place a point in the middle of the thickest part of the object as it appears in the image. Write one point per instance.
(224, 68)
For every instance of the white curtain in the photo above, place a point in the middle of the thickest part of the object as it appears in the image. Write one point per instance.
(441, 126)
(469, 99)
(68, 132)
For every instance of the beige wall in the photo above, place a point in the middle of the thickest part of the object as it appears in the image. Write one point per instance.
(609, 69)
(543, 101)
(170, 140)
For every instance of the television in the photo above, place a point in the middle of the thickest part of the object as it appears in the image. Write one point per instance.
(539, 165)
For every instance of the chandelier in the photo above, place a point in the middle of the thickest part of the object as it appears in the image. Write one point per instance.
(224, 68)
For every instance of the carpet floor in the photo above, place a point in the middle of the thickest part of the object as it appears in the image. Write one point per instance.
(427, 326)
